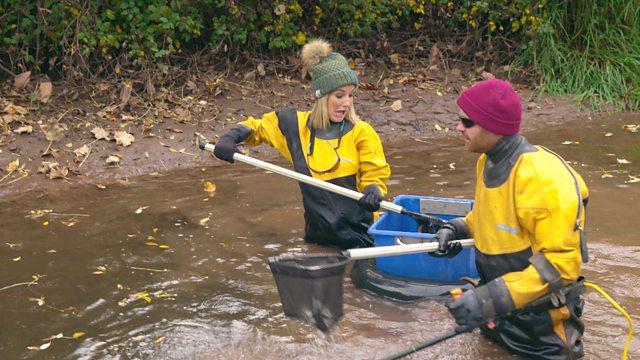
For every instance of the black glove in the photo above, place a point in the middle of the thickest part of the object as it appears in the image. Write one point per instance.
(467, 310)
(227, 146)
(371, 199)
(454, 230)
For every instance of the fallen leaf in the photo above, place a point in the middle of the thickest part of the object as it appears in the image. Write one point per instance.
(53, 131)
(100, 186)
(100, 133)
(45, 89)
(633, 179)
(123, 138)
(394, 58)
(15, 109)
(77, 334)
(112, 159)
(606, 175)
(82, 151)
(24, 129)
(140, 209)
(397, 105)
(58, 172)
(21, 80)
(13, 166)
(437, 126)
(608, 134)
(623, 161)
(204, 221)
(631, 128)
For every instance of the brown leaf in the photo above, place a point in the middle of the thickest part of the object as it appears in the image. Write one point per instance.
(395, 59)
(53, 131)
(82, 151)
(112, 159)
(21, 80)
(45, 90)
(24, 129)
(123, 138)
(15, 109)
(261, 71)
(434, 56)
(397, 105)
(100, 133)
(125, 93)
(58, 173)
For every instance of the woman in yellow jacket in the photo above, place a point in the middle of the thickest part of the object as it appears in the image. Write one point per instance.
(329, 143)
(527, 225)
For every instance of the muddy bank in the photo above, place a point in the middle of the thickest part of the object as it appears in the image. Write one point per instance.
(94, 123)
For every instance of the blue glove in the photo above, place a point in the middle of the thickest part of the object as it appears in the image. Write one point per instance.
(227, 146)
(371, 199)
(467, 310)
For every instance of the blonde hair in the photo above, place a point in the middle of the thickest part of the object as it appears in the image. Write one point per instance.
(320, 113)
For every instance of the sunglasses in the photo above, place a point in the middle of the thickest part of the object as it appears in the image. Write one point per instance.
(466, 122)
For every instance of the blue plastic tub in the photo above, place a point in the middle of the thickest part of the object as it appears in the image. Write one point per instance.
(392, 229)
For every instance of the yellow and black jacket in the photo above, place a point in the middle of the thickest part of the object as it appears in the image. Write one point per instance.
(347, 155)
(527, 225)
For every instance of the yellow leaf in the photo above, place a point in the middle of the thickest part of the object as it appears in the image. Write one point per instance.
(78, 334)
(151, 237)
(437, 126)
(204, 221)
(163, 246)
(159, 339)
(606, 175)
(155, 230)
(151, 243)
(100, 186)
(13, 166)
(46, 223)
(17, 258)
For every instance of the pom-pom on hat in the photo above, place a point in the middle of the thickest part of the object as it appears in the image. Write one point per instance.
(494, 105)
(329, 70)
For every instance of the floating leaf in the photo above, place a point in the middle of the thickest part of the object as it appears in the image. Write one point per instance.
(631, 128)
(623, 161)
(164, 247)
(77, 334)
(608, 134)
(13, 166)
(140, 209)
(39, 300)
(204, 221)
(633, 179)
(452, 165)
(159, 339)
(606, 175)
(17, 258)
(100, 186)
(151, 243)
(46, 223)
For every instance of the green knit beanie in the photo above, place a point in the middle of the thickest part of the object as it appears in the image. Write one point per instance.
(329, 70)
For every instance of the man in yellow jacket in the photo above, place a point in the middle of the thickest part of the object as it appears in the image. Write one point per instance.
(527, 224)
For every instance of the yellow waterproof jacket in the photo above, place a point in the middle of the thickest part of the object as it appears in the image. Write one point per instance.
(354, 159)
(533, 211)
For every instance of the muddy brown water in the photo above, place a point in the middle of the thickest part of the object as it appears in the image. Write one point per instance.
(209, 293)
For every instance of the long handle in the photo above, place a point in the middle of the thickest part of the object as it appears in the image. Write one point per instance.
(306, 179)
(378, 251)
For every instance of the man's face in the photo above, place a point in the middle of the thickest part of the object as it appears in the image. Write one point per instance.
(476, 138)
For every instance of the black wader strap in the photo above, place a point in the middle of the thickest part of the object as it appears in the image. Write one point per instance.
(502, 301)
(547, 272)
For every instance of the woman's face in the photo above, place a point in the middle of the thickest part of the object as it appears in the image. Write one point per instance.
(339, 102)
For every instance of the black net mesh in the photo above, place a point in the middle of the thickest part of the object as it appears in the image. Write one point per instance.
(311, 286)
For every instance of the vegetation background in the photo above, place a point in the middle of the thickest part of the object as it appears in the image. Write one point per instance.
(156, 73)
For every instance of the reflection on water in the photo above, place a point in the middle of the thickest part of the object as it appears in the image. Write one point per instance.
(142, 273)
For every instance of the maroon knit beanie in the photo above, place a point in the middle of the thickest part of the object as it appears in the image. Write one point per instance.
(494, 105)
